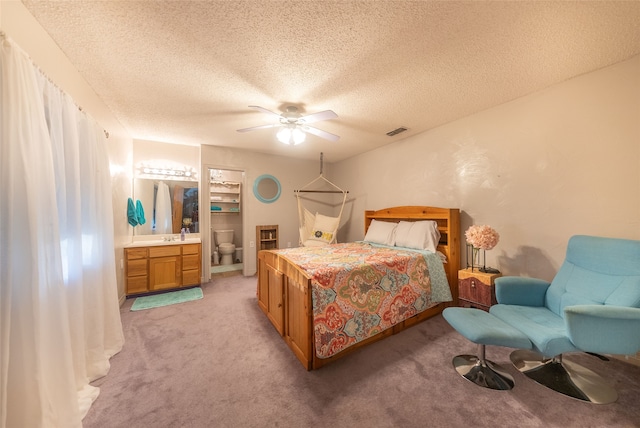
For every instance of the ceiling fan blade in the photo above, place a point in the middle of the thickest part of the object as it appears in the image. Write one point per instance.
(317, 117)
(253, 128)
(264, 110)
(320, 133)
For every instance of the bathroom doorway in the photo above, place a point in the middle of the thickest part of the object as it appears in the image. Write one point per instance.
(225, 191)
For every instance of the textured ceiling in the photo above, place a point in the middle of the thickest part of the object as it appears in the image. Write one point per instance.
(186, 71)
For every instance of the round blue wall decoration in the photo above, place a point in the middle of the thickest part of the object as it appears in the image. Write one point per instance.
(267, 188)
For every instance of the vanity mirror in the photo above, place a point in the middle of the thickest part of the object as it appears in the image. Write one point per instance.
(267, 188)
(169, 205)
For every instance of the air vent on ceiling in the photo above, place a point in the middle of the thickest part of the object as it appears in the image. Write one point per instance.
(396, 131)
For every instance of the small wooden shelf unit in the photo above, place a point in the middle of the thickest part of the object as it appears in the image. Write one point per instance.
(266, 238)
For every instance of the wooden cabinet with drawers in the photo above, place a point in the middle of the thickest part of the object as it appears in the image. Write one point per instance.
(136, 270)
(191, 263)
(476, 289)
(162, 267)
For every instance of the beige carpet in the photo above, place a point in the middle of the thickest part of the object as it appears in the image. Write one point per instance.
(218, 362)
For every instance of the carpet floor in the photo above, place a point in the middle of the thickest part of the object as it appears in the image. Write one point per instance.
(218, 362)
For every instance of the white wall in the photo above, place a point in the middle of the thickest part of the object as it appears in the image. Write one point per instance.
(19, 24)
(539, 169)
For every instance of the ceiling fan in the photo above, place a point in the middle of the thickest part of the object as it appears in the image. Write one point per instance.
(294, 125)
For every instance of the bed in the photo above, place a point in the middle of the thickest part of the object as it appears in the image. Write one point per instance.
(324, 309)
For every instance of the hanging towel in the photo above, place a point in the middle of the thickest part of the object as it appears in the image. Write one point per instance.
(131, 213)
(140, 213)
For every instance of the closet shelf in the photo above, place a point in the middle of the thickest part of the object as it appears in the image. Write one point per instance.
(225, 197)
(224, 192)
(225, 201)
(225, 211)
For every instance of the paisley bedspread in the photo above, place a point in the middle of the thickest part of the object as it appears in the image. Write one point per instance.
(360, 289)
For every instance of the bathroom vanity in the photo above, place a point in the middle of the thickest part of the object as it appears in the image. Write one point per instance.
(159, 265)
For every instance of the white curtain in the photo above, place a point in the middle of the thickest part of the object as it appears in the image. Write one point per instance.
(59, 314)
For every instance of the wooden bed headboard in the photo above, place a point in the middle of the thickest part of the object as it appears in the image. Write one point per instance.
(448, 220)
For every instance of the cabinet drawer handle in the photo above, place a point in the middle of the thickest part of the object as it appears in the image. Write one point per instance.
(279, 305)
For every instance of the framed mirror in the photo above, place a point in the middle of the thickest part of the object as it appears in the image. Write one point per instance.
(267, 188)
(169, 205)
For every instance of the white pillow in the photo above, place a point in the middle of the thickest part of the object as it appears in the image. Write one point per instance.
(381, 232)
(324, 228)
(420, 235)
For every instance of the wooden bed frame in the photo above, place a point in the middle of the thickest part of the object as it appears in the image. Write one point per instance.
(284, 290)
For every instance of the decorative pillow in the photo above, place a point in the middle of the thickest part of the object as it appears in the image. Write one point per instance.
(381, 232)
(324, 228)
(420, 235)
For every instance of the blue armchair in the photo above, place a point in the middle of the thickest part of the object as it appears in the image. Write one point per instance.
(592, 305)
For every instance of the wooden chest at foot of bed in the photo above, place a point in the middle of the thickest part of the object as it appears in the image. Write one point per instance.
(283, 295)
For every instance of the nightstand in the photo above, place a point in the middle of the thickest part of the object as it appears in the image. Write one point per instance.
(476, 289)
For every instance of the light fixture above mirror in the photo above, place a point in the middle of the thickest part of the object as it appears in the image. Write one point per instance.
(165, 172)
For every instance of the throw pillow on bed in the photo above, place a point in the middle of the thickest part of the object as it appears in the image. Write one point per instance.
(324, 228)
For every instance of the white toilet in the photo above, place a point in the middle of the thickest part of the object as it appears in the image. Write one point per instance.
(226, 249)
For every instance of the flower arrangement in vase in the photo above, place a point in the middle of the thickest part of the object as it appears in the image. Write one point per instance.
(481, 237)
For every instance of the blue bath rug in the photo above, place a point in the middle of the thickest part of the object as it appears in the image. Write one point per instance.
(166, 299)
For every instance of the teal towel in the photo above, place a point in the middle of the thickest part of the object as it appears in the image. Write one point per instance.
(131, 213)
(140, 213)
(216, 208)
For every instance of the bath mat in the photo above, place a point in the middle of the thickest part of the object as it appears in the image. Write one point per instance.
(166, 299)
(226, 268)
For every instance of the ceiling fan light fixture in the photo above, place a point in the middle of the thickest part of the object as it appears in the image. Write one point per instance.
(284, 135)
(298, 136)
(291, 135)
(294, 126)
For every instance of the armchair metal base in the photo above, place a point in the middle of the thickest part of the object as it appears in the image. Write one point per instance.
(565, 377)
(483, 372)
